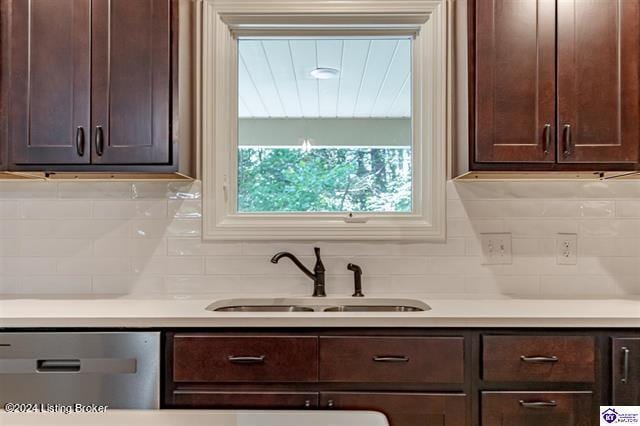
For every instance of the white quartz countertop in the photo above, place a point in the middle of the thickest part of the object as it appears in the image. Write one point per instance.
(197, 418)
(189, 311)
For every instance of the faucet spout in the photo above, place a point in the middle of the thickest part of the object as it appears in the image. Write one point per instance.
(318, 271)
(278, 256)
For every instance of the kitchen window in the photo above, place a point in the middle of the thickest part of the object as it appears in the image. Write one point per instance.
(324, 122)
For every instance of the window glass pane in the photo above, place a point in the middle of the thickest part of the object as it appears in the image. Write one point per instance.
(324, 125)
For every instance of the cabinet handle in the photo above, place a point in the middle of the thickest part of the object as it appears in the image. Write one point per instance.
(567, 139)
(330, 403)
(246, 359)
(307, 403)
(80, 141)
(552, 358)
(99, 141)
(538, 404)
(391, 358)
(547, 138)
(625, 365)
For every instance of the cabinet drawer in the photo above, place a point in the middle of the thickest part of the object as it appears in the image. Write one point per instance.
(536, 408)
(392, 359)
(538, 358)
(244, 400)
(207, 358)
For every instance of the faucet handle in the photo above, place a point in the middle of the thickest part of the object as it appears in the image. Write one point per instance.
(317, 252)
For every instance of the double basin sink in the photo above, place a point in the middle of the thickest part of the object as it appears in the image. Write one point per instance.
(319, 305)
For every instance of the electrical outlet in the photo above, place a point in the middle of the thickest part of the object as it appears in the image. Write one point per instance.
(566, 249)
(496, 248)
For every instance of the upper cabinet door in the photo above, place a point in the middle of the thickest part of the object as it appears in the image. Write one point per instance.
(598, 81)
(131, 82)
(49, 74)
(515, 81)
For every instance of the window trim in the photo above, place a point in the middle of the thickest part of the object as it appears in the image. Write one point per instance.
(224, 20)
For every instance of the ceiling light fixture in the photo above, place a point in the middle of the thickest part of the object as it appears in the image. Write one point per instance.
(324, 73)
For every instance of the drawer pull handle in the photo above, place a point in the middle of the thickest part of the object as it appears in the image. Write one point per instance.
(391, 358)
(539, 358)
(538, 404)
(246, 359)
(625, 365)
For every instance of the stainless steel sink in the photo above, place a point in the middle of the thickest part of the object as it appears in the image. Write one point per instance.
(319, 304)
(373, 308)
(264, 308)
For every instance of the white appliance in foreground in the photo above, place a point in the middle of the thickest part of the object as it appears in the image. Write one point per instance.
(198, 418)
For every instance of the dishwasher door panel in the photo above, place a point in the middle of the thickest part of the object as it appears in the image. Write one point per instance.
(117, 369)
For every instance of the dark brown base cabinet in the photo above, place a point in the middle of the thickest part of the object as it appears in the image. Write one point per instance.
(625, 353)
(403, 409)
(537, 409)
(416, 377)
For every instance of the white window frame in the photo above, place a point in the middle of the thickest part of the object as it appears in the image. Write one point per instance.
(224, 20)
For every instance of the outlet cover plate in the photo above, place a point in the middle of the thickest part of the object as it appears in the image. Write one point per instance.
(496, 248)
(566, 249)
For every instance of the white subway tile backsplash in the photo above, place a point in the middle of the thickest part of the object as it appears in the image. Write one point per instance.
(185, 209)
(628, 209)
(43, 209)
(94, 190)
(144, 237)
(130, 209)
(197, 247)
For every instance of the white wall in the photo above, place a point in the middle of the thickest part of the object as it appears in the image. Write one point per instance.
(115, 237)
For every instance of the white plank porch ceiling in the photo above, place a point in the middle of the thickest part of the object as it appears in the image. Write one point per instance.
(374, 81)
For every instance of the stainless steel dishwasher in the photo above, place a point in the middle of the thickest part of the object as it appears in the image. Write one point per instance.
(116, 369)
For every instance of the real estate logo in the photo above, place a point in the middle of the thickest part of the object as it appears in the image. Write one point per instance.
(620, 414)
(609, 415)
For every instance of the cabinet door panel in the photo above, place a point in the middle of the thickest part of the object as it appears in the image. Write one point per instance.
(515, 81)
(626, 371)
(598, 81)
(536, 408)
(49, 81)
(403, 409)
(244, 399)
(131, 81)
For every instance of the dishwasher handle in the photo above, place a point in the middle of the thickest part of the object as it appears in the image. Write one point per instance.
(58, 365)
(69, 365)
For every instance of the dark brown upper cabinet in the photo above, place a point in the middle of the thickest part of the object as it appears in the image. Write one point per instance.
(50, 72)
(515, 74)
(92, 85)
(626, 370)
(555, 84)
(598, 81)
(131, 81)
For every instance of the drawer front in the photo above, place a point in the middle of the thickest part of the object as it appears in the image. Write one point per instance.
(207, 358)
(536, 408)
(392, 359)
(538, 358)
(244, 400)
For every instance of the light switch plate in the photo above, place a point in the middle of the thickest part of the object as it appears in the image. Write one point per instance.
(567, 249)
(496, 248)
